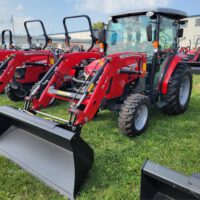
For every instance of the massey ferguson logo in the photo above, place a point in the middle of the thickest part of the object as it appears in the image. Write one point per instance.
(133, 66)
(126, 55)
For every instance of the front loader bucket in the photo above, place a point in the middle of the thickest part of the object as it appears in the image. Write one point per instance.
(58, 157)
(160, 183)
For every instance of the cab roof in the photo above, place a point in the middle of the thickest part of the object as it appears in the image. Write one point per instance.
(173, 13)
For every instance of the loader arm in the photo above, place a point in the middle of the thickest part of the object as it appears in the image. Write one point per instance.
(167, 70)
(17, 60)
(4, 53)
(61, 73)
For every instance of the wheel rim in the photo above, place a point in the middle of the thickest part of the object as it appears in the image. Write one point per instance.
(21, 93)
(184, 90)
(141, 117)
(52, 101)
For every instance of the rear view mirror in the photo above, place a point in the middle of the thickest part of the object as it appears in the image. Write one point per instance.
(114, 39)
(149, 32)
(102, 36)
(182, 22)
(180, 33)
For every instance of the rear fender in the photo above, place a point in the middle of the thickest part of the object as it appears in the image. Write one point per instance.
(170, 65)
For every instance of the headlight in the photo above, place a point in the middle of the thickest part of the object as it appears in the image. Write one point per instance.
(20, 73)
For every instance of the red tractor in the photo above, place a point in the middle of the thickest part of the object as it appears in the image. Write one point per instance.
(8, 45)
(193, 57)
(20, 69)
(134, 73)
(71, 64)
(137, 71)
(23, 69)
(7, 48)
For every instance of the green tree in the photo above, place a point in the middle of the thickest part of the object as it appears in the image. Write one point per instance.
(98, 25)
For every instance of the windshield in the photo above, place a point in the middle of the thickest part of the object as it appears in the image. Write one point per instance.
(129, 34)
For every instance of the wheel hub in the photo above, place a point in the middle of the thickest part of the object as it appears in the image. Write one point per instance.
(184, 90)
(141, 117)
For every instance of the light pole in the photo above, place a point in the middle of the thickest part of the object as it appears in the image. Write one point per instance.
(12, 23)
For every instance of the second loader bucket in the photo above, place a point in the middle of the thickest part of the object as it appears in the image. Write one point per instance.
(58, 157)
(160, 183)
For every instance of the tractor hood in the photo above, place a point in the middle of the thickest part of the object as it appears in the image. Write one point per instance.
(97, 64)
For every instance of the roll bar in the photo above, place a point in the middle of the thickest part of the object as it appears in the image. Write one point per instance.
(29, 35)
(67, 36)
(10, 36)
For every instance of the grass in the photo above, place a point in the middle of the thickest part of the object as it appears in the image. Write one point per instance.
(169, 141)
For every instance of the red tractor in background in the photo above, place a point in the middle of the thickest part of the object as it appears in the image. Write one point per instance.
(7, 48)
(70, 64)
(27, 68)
(193, 56)
(5, 45)
(135, 72)
(21, 69)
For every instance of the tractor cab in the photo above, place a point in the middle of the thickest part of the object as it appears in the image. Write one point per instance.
(155, 32)
(151, 31)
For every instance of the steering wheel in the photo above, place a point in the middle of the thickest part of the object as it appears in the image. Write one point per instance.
(57, 51)
(185, 49)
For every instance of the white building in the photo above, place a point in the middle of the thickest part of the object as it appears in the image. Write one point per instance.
(191, 32)
(77, 38)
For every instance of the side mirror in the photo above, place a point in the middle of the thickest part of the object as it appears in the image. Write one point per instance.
(102, 36)
(149, 32)
(114, 39)
(180, 33)
(183, 22)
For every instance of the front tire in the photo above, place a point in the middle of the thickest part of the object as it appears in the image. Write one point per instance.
(134, 115)
(17, 94)
(179, 91)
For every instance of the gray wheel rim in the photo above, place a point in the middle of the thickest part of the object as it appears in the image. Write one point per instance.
(21, 93)
(141, 117)
(52, 100)
(184, 90)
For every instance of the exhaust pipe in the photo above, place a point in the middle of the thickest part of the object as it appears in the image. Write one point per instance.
(158, 182)
(58, 157)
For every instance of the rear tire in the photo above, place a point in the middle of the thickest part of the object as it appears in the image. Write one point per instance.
(179, 91)
(17, 94)
(134, 115)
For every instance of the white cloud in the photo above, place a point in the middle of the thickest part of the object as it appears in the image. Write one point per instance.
(5, 15)
(110, 6)
(19, 7)
(19, 23)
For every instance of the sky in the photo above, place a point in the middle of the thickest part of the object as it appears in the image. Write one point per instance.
(51, 12)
